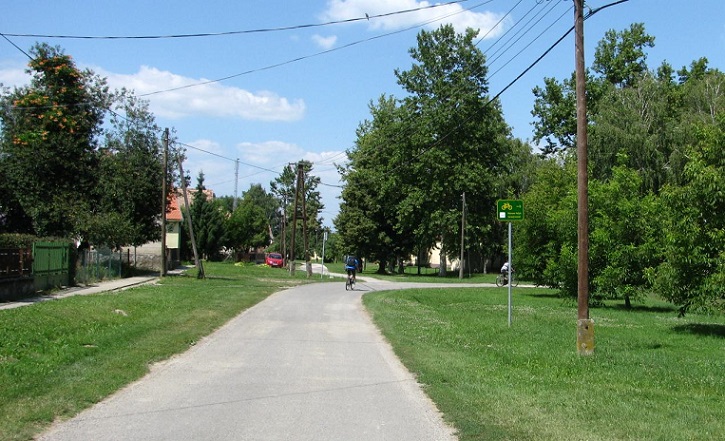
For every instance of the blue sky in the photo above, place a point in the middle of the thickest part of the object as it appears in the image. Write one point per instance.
(301, 92)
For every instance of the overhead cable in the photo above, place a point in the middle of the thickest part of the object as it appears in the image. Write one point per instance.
(241, 32)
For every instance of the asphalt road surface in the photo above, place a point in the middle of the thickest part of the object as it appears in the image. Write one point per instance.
(305, 364)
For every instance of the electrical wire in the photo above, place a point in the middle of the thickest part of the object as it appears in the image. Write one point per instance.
(241, 32)
(317, 54)
(440, 140)
(492, 74)
(373, 38)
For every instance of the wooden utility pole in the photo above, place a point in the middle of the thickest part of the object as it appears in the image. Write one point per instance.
(197, 261)
(585, 326)
(306, 240)
(164, 201)
(294, 223)
(284, 229)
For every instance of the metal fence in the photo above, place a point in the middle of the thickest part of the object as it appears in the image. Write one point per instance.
(99, 264)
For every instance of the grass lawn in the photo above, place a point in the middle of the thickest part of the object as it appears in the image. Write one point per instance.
(59, 357)
(653, 376)
(429, 275)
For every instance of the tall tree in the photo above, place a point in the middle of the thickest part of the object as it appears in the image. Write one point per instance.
(247, 227)
(49, 139)
(269, 205)
(619, 61)
(208, 221)
(692, 274)
(620, 57)
(130, 175)
(374, 186)
(460, 136)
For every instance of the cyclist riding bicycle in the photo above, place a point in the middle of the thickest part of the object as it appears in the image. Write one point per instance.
(505, 272)
(351, 265)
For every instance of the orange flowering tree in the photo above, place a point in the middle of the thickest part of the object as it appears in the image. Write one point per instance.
(50, 130)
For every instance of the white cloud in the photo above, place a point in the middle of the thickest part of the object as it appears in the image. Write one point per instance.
(275, 155)
(12, 75)
(211, 99)
(325, 42)
(453, 14)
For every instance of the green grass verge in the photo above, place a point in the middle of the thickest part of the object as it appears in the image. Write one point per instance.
(653, 376)
(59, 357)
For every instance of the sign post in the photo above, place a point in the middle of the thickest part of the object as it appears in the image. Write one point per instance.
(510, 211)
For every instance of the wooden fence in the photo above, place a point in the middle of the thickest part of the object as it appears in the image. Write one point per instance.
(15, 263)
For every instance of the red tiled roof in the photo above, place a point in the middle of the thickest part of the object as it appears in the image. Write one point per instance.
(179, 193)
(174, 213)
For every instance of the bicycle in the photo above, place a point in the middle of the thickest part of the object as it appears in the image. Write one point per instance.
(501, 280)
(350, 283)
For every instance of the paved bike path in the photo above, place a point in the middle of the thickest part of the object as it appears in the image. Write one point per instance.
(305, 364)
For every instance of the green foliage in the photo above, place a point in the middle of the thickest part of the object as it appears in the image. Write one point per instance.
(49, 136)
(620, 57)
(417, 156)
(619, 61)
(14, 240)
(207, 217)
(130, 175)
(62, 173)
(624, 241)
(375, 187)
(247, 227)
(694, 268)
(655, 149)
(550, 222)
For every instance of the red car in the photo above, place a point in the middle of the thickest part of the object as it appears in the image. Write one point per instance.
(275, 260)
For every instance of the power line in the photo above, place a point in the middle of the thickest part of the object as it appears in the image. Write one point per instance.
(367, 17)
(317, 54)
(16, 46)
(530, 43)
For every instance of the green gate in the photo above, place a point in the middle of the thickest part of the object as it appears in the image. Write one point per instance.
(51, 264)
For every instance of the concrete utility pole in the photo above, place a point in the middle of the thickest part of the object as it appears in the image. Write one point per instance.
(236, 184)
(463, 229)
(585, 326)
(164, 201)
(197, 261)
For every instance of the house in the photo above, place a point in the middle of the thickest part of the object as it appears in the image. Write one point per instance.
(174, 218)
(148, 255)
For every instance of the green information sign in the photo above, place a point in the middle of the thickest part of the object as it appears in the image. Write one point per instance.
(510, 210)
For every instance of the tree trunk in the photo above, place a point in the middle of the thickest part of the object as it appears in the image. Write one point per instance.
(442, 268)
(381, 267)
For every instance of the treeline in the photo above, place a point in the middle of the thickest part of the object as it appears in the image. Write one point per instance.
(259, 220)
(67, 168)
(656, 172)
(82, 162)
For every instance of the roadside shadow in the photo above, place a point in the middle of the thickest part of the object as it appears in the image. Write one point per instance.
(702, 329)
(644, 308)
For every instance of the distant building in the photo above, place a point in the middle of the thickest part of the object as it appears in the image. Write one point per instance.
(148, 255)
